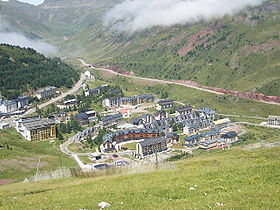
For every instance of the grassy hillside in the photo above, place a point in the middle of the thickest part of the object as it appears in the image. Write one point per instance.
(224, 104)
(24, 70)
(19, 158)
(237, 53)
(232, 179)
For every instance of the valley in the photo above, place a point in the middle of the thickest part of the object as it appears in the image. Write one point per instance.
(140, 104)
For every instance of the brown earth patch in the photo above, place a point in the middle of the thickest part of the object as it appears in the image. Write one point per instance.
(23, 163)
(201, 38)
(5, 181)
(262, 48)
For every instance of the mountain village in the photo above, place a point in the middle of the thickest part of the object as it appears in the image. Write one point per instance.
(132, 129)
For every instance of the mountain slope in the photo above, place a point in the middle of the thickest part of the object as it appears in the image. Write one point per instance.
(239, 53)
(236, 53)
(24, 70)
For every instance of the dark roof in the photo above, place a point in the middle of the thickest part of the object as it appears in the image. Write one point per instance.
(149, 142)
(206, 110)
(229, 135)
(184, 108)
(145, 96)
(81, 116)
(165, 101)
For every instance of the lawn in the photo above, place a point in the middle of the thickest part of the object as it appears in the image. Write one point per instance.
(233, 179)
(19, 158)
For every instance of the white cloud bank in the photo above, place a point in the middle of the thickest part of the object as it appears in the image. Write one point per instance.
(18, 39)
(134, 15)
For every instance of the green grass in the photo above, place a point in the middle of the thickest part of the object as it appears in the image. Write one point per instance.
(223, 104)
(20, 159)
(237, 178)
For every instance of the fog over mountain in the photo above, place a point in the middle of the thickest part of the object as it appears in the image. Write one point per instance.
(18, 39)
(134, 15)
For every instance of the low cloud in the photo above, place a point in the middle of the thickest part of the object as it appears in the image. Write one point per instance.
(134, 15)
(18, 39)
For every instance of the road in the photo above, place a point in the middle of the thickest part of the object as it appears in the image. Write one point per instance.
(149, 79)
(60, 97)
(164, 81)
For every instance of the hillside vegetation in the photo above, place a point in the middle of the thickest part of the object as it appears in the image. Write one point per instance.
(232, 179)
(19, 158)
(236, 53)
(23, 70)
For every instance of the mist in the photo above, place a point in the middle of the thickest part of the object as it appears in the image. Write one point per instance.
(135, 15)
(7, 36)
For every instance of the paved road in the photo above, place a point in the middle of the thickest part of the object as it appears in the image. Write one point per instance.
(149, 79)
(60, 97)
(163, 81)
(254, 124)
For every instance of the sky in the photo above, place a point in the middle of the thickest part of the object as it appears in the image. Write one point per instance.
(36, 2)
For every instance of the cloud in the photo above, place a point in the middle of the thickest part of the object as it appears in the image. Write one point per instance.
(18, 39)
(134, 15)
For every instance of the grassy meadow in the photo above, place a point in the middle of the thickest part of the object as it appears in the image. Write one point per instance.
(232, 179)
(19, 158)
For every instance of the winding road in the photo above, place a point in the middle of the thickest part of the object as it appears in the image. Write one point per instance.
(60, 97)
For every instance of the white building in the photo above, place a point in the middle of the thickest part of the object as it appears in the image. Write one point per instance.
(13, 105)
(4, 126)
(89, 75)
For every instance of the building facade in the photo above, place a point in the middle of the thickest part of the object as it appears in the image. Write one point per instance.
(165, 104)
(274, 120)
(150, 146)
(36, 129)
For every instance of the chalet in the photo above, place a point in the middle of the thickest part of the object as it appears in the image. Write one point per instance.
(112, 102)
(165, 104)
(111, 139)
(184, 110)
(111, 119)
(46, 92)
(126, 112)
(207, 113)
(161, 114)
(129, 101)
(81, 118)
(93, 92)
(92, 115)
(222, 123)
(172, 138)
(197, 139)
(230, 136)
(150, 146)
(116, 92)
(36, 129)
(69, 103)
(146, 98)
(274, 120)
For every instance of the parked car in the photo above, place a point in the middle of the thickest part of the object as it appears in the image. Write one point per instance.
(121, 163)
(115, 155)
(101, 166)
